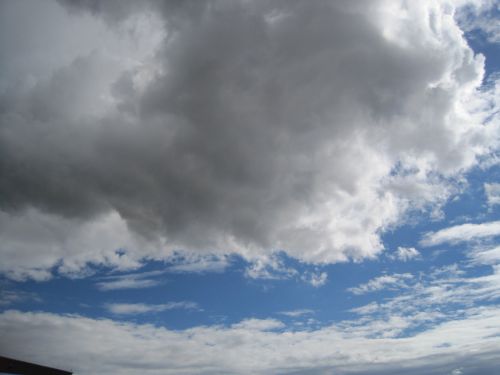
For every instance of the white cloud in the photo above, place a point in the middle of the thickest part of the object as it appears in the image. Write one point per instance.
(270, 268)
(425, 296)
(196, 263)
(368, 309)
(492, 193)
(131, 281)
(142, 308)
(34, 242)
(260, 325)
(392, 282)
(486, 255)
(316, 279)
(417, 327)
(136, 280)
(405, 254)
(483, 16)
(461, 233)
(97, 346)
(274, 267)
(297, 313)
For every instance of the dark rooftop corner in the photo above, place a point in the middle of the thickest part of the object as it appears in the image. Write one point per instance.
(14, 366)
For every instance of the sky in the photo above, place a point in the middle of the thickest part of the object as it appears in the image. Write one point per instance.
(250, 187)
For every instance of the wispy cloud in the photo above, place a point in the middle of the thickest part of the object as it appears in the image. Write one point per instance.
(486, 255)
(130, 281)
(316, 279)
(461, 233)
(492, 193)
(391, 282)
(276, 267)
(178, 263)
(142, 308)
(481, 15)
(125, 283)
(198, 263)
(11, 297)
(297, 313)
(405, 254)
(448, 285)
(270, 268)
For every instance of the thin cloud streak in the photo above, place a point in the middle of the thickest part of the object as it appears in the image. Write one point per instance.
(461, 233)
(142, 308)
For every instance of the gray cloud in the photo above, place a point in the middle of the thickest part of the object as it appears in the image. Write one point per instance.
(249, 127)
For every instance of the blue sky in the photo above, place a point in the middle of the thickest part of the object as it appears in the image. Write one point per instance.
(306, 188)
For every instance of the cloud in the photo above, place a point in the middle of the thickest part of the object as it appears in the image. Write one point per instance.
(92, 346)
(130, 281)
(142, 308)
(455, 288)
(316, 279)
(34, 242)
(433, 324)
(492, 193)
(178, 263)
(405, 254)
(392, 282)
(260, 325)
(486, 255)
(481, 16)
(12, 297)
(297, 313)
(277, 267)
(461, 233)
(270, 268)
(196, 263)
(125, 283)
(192, 131)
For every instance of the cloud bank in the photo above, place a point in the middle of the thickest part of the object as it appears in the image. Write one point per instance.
(253, 346)
(230, 127)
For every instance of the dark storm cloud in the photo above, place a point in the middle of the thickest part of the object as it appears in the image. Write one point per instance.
(263, 126)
